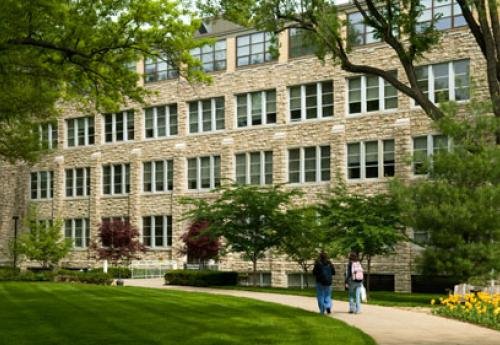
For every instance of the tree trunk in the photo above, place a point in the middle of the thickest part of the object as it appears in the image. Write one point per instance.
(306, 272)
(369, 260)
(254, 262)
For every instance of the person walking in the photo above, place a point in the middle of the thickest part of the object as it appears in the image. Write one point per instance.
(324, 271)
(354, 282)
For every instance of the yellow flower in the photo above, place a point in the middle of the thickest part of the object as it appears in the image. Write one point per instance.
(496, 311)
(433, 301)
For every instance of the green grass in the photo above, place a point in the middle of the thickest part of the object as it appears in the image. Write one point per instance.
(50, 313)
(384, 298)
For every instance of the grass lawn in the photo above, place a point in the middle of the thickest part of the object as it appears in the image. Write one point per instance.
(384, 298)
(50, 313)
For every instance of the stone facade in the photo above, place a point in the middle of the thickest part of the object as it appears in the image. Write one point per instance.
(400, 124)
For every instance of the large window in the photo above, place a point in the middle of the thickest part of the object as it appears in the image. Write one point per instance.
(254, 48)
(203, 172)
(206, 115)
(256, 108)
(212, 57)
(424, 147)
(116, 179)
(158, 176)
(254, 168)
(309, 164)
(119, 126)
(449, 81)
(311, 101)
(370, 159)
(358, 32)
(48, 135)
(78, 230)
(448, 13)
(157, 231)
(156, 69)
(299, 44)
(161, 121)
(77, 182)
(371, 93)
(41, 185)
(80, 131)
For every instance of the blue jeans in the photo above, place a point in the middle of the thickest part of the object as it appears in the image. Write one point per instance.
(324, 295)
(355, 294)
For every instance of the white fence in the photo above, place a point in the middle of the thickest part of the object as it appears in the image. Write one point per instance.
(142, 269)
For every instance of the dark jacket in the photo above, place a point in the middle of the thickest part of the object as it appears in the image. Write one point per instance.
(324, 272)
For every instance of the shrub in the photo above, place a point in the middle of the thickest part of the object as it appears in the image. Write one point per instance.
(201, 278)
(89, 277)
(116, 272)
(11, 274)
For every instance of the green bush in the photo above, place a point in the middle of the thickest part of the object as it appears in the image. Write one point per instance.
(11, 274)
(118, 272)
(89, 277)
(200, 278)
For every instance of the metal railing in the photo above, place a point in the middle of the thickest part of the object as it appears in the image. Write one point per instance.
(145, 269)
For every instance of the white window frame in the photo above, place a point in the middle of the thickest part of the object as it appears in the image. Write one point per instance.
(430, 148)
(165, 231)
(153, 173)
(51, 127)
(198, 172)
(362, 161)
(249, 108)
(124, 115)
(302, 172)
(86, 183)
(112, 184)
(319, 102)
(213, 120)
(85, 232)
(262, 173)
(381, 97)
(50, 181)
(167, 122)
(75, 138)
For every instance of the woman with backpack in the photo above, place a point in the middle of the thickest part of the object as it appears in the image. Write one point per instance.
(354, 281)
(324, 271)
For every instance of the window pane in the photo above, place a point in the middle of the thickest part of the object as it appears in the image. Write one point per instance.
(241, 105)
(295, 103)
(159, 240)
(149, 123)
(294, 166)
(79, 182)
(216, 171)
(353, 161)
(255, 168)
(325, 163)
(441, 80)
(170, 175)
(69, 182)
(147, 177)
(192, 173)
(389, 158)
(310, 164)
(271, 106)
(108, 128)
(159, 184)
(205, 172)
(193, 117)
(241, 168)
(106, 179)
(161, 121)
(34, 185)
(206, 115)
(256, 102)
(371, 159)
(419, 154)
(173, 119)
(146, 231)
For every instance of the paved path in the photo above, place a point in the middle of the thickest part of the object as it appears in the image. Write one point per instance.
(388, 326)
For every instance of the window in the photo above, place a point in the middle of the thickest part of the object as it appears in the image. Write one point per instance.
(212, 57)
(309, 164)
(80, 131)
(119, 126)
(358, 32)
(449, 81)
(256, 108)
(370, 159)
(448, 11)
(254, 168)
(116, 179)
(161, 121)
(77, 182)
(157, 231)
(158, 176)
(206, 115)
(48, 135)
(204, 172)
(311, 101)
(78, 230)
(254, 48)
(424, 147)
(42, 185)
(123, 219)
(371, 93)
(299, 43)
(156, 69)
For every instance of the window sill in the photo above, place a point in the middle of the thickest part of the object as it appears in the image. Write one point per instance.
(156, 193)
(76, 198)
(263, 126)
(41, 200)
(372, 113)
(217, 131)
(302, 121)
(115, 196)
(369, 179)
(304, 184)
(158, 249)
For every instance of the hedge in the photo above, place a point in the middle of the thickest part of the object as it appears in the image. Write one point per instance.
(89, 277)
(11, 274)
(200, 278)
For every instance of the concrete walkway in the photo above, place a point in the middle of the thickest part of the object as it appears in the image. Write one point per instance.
(388, 326)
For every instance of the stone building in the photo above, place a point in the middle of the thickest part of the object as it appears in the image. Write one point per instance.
(290, 119)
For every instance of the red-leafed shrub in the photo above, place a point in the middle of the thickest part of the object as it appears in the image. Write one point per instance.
(199, 244)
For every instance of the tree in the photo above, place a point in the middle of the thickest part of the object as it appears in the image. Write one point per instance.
(303, 237)
(44, 242)
(246, 217)
(199, 245)
(366, 225)
(119, 241)
(458, 204)
(77, 54)
(394, 22)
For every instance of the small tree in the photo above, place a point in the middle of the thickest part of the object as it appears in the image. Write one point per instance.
(200, 245)
(366, 225)
(303, 237)
(118, 241)
(247, 217)
(44, 242)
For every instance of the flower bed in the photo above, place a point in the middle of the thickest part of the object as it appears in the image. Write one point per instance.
(480, 308)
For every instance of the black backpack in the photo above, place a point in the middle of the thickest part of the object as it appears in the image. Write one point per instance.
(325, 274)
